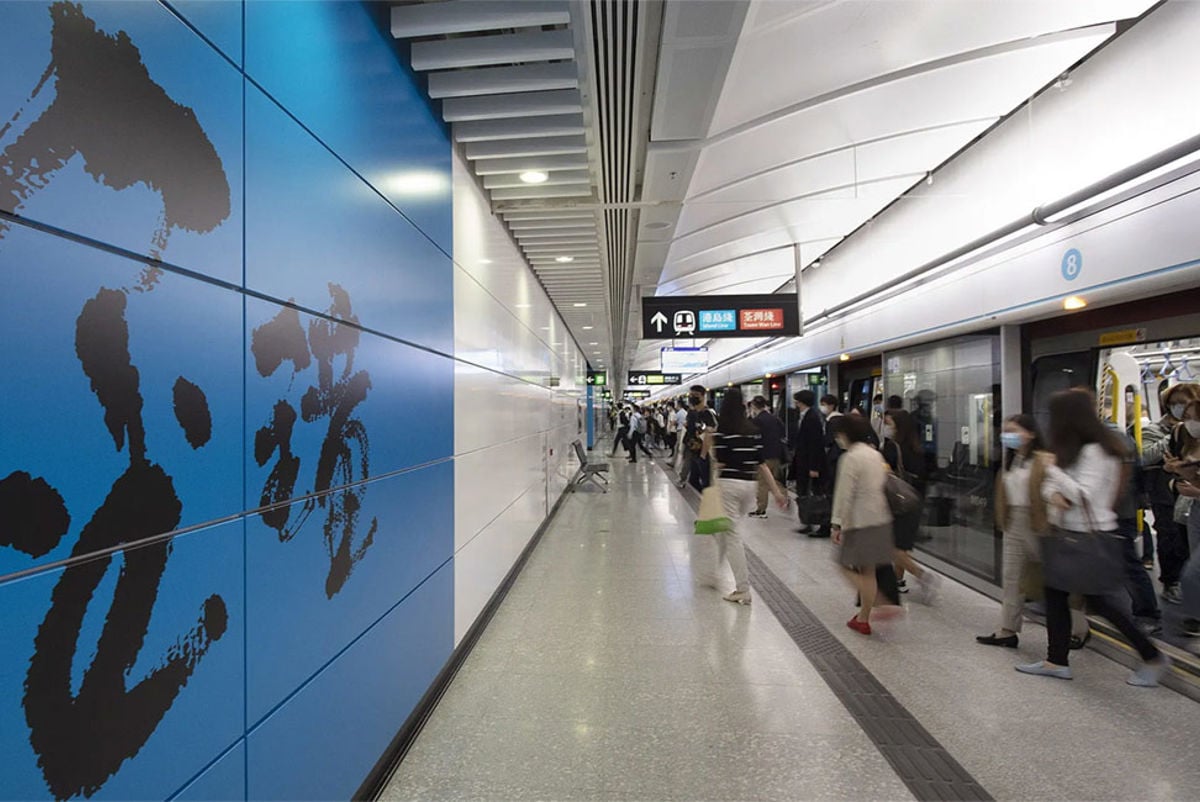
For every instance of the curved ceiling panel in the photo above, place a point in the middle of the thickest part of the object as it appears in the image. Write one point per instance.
(987, 87)
(856, 42)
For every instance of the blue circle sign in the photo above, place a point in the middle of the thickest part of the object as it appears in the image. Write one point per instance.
(1072, 264)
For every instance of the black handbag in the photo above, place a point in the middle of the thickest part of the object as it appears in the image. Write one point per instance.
(1088, 563)
(815, 509)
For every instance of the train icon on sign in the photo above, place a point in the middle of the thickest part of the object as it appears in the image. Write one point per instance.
(685, 322)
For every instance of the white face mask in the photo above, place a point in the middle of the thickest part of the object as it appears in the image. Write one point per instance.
(889, 431)
(1177, 410)
(1193, 427)
(826, 409)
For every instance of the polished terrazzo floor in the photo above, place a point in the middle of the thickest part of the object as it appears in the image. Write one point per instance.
(608, 673)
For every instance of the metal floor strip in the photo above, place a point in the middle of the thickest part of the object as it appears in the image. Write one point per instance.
(921, 762)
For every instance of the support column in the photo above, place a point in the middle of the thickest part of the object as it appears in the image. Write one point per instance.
(1011, 369)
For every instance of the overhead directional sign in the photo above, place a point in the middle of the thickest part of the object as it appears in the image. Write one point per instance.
(597, 378)
(637, 394)
(642, 378)
(714, 316)
(684, 360)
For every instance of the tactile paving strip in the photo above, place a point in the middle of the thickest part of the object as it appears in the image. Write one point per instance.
(919, 760)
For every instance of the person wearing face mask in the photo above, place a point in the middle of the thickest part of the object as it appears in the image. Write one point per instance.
(700, 419)
(1021, 517)
(1081, 487)
(1183, 463)
(1173, 548)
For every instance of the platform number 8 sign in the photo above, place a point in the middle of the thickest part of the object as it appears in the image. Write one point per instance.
(1072, 264)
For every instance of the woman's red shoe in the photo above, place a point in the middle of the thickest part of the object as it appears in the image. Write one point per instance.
(863, 627)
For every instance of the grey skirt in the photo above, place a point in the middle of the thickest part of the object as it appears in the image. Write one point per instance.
(866, 547)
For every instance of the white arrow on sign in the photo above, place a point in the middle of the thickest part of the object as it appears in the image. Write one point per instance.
(658, 321)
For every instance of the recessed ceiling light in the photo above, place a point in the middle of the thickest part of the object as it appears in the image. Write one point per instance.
(523, 306)
(593, 343)
(578, 306)
(564, 259)
(545, 328)
(657, 225)
(1074, 302)
(534, 177)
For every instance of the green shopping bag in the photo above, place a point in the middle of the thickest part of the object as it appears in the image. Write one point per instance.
(711, 518)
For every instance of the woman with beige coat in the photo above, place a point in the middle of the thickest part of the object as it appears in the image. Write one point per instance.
(861, 519)
(1021, 516)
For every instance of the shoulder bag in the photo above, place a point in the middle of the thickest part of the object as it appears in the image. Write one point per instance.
(902, 498)
(711, 518)
(1089, 562)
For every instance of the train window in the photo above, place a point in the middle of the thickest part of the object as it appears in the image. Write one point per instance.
(1058, 372)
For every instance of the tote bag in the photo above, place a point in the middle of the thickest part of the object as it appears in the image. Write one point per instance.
(711, 518)
(1089, 563)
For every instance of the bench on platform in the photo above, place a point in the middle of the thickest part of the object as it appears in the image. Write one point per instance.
(589, 471)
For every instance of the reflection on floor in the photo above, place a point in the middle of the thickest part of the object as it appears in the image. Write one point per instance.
(608, 673)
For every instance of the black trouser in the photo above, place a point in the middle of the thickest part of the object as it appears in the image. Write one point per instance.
(636, 441)
(1173, 548)
(620, 440)
(1058, 626)
(1137, 581)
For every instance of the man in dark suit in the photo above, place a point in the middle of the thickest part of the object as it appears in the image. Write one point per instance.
(810, 464)
(774, 435)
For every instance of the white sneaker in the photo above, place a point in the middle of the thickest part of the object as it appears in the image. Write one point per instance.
(738, 597)
(927, 588)
(1149, 674)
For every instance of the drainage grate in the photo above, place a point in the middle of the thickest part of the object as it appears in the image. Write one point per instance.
(919, 760)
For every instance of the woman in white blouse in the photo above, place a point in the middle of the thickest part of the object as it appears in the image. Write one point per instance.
(1081, 487)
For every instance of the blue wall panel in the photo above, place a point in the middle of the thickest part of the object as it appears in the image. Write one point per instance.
(143, 401)
(218, 20)
(339, 583)
(142, 680)
(223, 780)
(360, 700)
(309, 218)
(133, 141)
(326, 62)
(183, 342)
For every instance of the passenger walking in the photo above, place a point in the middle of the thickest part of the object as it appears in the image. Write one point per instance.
(1173, 549)
(700, 419)
(680, 413)
(1183, 462)
(638, 427)
(1021, 516)
(1081, 486)
(621, 438)
(862, 521)
(774, 435)
(736, 449)
(902, 451)
(810, 468)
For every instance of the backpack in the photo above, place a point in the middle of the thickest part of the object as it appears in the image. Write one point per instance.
(641, 424)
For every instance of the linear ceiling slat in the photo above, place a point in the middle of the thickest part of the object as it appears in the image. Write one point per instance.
(502, 166)
(516, 104)
(542, 146)
(543, 191)
(553, 177)
(535, 77)
(518, 128)
(463, 16)
(484, 51)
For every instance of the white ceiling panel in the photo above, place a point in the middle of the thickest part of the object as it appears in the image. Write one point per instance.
(886, 37)
(819, 217)
(980, 89)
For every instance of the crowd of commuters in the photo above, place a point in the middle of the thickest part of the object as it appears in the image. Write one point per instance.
(861, 479)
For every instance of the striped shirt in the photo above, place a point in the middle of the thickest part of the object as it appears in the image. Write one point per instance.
(739, 454)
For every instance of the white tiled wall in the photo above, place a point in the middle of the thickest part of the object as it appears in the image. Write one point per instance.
(512, 431)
